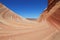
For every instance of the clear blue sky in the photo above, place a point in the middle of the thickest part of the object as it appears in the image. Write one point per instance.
(26, 8)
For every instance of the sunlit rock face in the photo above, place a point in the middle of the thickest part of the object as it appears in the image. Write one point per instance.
(15, 27)
(10, 29)
(52, 16)
(51, 4)
(52, 12)
(9, 15)
(42, 16)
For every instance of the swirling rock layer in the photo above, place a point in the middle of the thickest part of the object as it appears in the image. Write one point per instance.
(15, 27)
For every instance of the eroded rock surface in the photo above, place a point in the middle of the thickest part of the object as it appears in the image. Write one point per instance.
(15, 27)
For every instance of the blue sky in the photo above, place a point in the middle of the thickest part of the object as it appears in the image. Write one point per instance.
(26, 8)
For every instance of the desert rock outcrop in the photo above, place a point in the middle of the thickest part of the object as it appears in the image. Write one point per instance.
(15, 27)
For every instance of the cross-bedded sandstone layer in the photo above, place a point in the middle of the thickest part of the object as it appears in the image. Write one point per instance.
(15, 27)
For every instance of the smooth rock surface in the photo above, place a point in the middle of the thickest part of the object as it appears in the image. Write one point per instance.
(15, 27)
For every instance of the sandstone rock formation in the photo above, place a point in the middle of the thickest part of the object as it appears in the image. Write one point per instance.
(53, 6)
(6, 13)
(52, 15)
(42, 16)
(15, 27)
